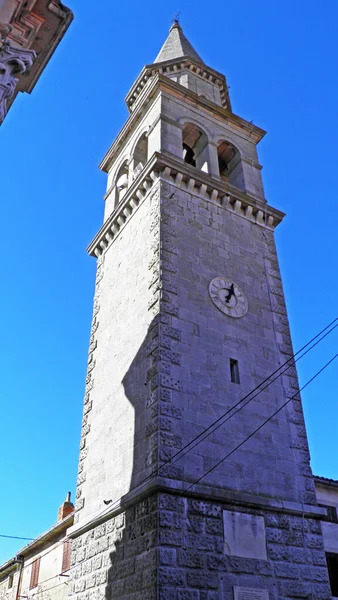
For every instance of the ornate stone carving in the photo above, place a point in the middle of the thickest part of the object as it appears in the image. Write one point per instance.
(30, 28)
(5, 29)
(13, 62)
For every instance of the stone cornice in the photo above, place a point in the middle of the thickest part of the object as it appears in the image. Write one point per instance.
(65, 17)
(172, 66)
(227, 498)
(186, 177)
(161, 83)
(37, 26)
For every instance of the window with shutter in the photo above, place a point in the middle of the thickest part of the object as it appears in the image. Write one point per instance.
(331, 512)
(332, 565)
(67, 548)
(35, 574)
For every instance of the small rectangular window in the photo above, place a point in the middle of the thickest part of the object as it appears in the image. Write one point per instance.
(35, 574)
(10, 581)
(234, 371)
(67, 547)
(331, 512)
(332, 566)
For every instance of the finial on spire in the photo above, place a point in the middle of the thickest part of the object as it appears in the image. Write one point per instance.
(176, 20)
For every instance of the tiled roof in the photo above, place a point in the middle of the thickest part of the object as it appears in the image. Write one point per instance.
(325, 481)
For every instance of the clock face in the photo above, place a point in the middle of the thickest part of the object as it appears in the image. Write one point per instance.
(228, 297)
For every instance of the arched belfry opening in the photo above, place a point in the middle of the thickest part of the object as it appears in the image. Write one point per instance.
(230, 164)
(121, 183)
(140, 155)
(195, 147)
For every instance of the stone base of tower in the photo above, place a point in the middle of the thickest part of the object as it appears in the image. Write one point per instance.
(170, 547)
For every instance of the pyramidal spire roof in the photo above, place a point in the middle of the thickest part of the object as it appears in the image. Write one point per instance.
(176, 46)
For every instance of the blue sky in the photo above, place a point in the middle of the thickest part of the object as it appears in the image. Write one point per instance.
(280, 59)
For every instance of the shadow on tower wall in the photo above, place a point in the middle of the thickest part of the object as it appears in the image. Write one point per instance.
(133, 534)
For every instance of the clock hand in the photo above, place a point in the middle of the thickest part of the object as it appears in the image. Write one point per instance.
(231, 292)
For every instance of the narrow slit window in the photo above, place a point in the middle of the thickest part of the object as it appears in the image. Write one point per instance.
(10, 581)
(234, 371)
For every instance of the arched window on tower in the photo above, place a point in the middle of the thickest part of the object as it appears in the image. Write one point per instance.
(230, 164)
(195, 147)
(140, 156)
(121, 183)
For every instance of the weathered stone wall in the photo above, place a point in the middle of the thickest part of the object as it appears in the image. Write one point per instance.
(197, 84)
(192, 533)
(173, 548)
(158, 375)
(200, 240)
(8, 593)
(196, 565)
(118, 558)
(115, 449)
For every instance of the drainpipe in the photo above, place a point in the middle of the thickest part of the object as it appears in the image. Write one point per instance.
(20, 560)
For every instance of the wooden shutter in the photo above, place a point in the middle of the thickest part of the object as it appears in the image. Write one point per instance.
(332, 513)
(35, 574)
(67, 548)
(332, 565)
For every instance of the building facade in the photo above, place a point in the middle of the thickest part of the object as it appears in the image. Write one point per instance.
(194, 479)
(40, 570)
(29, 34)
(327, 496)
(49, 580)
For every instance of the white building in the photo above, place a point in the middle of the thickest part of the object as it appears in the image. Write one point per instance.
(41, 569)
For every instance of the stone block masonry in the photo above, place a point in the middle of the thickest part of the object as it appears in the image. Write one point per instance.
(119, 417)
(172, 547)
(185, 207)
(200, 240)
(175, 371)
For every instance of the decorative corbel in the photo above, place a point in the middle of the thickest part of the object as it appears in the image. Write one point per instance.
(13, 63)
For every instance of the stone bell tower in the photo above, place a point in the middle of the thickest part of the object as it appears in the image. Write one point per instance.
(189, 317)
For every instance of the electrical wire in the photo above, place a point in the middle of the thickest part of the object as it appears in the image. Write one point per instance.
(211, 429)
(222, 420)
(262, 425)
(54, 547)
(14, 537)
(248, 437)
(180, 454)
